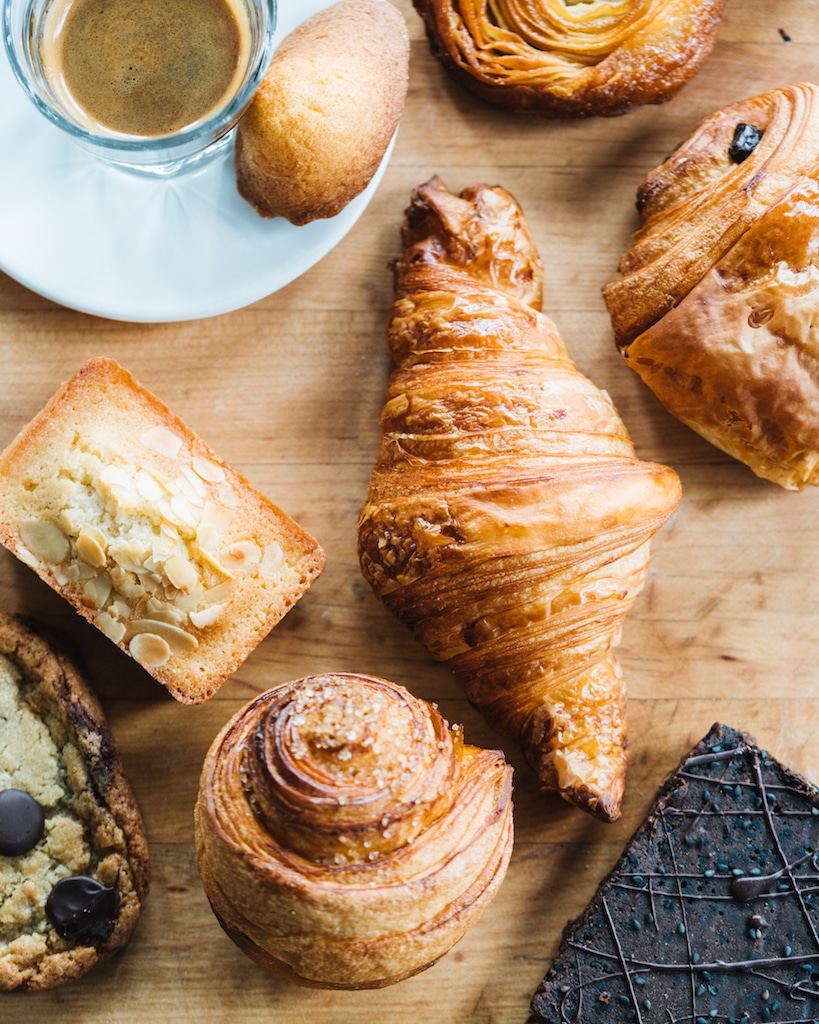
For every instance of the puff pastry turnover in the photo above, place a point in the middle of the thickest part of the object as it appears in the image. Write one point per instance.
(346, 836)
(570, 58)
(508, 519)
(716, 307)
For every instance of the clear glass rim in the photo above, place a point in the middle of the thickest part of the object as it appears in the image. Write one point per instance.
(210, 127)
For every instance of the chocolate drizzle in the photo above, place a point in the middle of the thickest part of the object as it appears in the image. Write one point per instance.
(712, 912)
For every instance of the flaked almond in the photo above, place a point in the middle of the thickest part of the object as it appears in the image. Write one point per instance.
(193, 496)
(228, 496)
(207, 616)
(115, 476)
(45, 540)
(120, 610)
(149, 649)
(25, 556)
(214, 563)
(91, 546)
(164, 612)
(218, 594)
(98, 589)
(210, 471)
(207, 536)
(272, 560)
(163, 441)
(149, 487)
(181, 573)
(195, 481)
(111, 627)
(177, 639)
(241, 556)
(182, 512)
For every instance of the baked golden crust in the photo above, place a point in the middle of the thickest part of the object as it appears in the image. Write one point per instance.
(92, 823)
(122, 509)
(321, 121)
(716, 305)
(508, 520)
(559, 58)
(345, 834)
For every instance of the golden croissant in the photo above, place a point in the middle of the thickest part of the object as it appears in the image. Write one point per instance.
(508, 519)
(716, 306)
(568, 57)
(346, 836)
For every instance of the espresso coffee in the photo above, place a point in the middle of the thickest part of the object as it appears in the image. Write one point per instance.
(145, 67)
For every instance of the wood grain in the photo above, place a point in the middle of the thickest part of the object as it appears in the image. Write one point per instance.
(289, 390)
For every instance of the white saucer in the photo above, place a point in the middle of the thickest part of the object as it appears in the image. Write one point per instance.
(109, 243)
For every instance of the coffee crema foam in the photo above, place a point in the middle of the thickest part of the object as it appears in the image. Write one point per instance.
(144, 67)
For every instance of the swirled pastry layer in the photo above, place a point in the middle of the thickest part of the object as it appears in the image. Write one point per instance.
(716, 306)
(347, 837)
(508, 519)
(570, 58)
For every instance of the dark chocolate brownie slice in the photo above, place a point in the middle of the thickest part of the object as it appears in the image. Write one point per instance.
(711, 915)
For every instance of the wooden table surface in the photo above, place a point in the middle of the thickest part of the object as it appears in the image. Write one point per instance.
(289, 391)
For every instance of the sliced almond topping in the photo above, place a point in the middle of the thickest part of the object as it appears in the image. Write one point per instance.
(219, 593)
(149, 649)
(188, 491)
(214, 563)
(207, 616)
(228, 496)
(217, 515)
(91, 546)
(149, 487)
(181, 573)
(27, 557)
(70, 572)
(45, 540)
(207, 536)
(120, 610)
(241, 556)
(272, 560)
(195, 480)
(112, 628)
(98, 589)
(210, 471)
(177, 638)
(163, 441)
(183, 511)
(164, 612)
(114, 476)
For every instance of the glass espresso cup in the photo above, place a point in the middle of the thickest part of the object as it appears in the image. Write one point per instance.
(150, 86)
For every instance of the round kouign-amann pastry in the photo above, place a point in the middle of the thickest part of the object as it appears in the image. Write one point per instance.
(716, 306)
(320, 123)
(567, 58)
(74, 869)
(346, 836)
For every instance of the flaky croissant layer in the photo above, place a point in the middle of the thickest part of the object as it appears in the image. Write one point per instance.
(716, 307)
(346, 836)
(508, 519)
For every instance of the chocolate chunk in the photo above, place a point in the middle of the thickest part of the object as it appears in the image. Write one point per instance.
(21, 822)
(82, 908)
(746, 139)
(712, 911)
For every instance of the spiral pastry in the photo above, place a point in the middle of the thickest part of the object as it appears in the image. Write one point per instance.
(570, 58)
(346, 836)
(716, 307)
